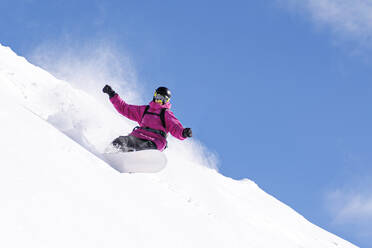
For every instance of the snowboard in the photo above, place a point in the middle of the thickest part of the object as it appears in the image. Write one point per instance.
(146, 161)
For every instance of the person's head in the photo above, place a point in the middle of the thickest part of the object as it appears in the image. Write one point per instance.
(162, 95)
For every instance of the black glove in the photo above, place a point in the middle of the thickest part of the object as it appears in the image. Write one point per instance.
(108, 90)
(187, 132)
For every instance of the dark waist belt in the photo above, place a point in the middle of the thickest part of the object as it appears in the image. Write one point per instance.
(162, 133)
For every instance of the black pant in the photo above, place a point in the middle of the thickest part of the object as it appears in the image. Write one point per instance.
(131, 144)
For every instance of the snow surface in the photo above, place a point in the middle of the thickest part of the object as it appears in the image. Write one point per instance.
(57, 191)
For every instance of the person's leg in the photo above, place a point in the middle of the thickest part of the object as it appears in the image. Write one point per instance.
(142, 144)
(131, 144)
(123, 143)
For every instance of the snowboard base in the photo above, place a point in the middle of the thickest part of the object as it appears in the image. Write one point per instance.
(147, 161)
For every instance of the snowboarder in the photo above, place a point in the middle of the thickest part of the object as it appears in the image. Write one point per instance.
(155, 121)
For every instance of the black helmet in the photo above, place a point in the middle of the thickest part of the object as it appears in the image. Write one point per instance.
(164, 91)
(162, 94)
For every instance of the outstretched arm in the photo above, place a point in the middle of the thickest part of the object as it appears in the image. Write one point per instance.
(175, 127)
(132, 112)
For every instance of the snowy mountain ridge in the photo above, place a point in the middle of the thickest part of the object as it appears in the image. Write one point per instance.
(58, 192)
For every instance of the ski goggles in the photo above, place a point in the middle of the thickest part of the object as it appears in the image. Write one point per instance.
(160, 98)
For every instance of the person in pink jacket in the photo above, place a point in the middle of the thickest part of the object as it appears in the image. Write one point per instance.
(155, 122)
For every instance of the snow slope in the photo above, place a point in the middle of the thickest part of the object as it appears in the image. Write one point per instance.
(56, 191)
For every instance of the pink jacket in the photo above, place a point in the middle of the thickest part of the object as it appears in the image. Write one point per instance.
(135, 113)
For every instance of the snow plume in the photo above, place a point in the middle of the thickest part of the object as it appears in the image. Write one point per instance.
(191, 151)
(85, 114)
(351, 19)
(89, 66)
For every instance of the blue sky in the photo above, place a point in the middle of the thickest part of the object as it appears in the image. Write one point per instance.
(280, 90)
